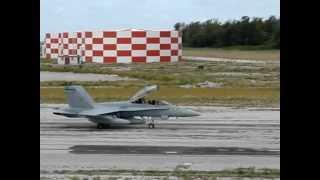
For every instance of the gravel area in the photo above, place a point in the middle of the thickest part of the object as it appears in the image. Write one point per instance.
(69, 76)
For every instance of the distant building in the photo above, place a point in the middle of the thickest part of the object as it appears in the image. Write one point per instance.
(42, 50)
(120, 46)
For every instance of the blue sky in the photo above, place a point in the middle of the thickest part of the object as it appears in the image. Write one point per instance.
(79, 15)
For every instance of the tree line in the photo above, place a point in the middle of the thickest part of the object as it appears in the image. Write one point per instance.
(264, 33)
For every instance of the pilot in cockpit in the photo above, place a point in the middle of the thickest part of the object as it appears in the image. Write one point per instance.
(140, 101)
(151, 102)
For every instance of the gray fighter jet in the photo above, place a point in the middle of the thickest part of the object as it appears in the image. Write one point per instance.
(134, 111)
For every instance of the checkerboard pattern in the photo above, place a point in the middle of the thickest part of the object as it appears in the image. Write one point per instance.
(119, 46)
(52, 45)
(70, 44)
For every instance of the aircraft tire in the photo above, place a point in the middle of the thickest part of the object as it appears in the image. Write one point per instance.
(151, 126)
(100, 126)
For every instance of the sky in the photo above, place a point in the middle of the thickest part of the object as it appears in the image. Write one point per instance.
(81, 15)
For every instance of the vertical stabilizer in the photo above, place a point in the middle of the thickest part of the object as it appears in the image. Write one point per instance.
(77, 97)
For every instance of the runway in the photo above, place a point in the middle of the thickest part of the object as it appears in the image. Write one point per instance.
(221, 138)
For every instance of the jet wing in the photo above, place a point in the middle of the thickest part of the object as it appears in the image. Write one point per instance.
(98, 111)
(144, 92)
(63, 112)
(129, 108)
(115, 120)
(88, 112)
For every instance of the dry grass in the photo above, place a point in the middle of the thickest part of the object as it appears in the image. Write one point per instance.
(233, 54)
(175, 74)
(44, 60)
(194, 96)
(243, 83)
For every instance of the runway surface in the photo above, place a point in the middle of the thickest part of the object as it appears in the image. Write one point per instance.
(221, 138)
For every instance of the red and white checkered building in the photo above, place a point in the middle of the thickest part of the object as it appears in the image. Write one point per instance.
(122, 46)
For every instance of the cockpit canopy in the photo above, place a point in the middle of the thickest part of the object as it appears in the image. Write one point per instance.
(139, 97)
(144, 92)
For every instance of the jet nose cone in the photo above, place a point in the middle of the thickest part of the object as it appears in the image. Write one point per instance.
(191, 113)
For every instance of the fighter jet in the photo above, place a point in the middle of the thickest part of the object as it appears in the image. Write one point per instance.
(136, 110)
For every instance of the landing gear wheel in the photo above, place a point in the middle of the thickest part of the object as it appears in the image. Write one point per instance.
(151, 126)
(150, 123)
(100, 126)
(103, 126)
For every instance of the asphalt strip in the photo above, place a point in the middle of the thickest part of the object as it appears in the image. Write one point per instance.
(176, 150)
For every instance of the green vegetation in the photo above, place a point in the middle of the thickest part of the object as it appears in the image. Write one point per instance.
(74, 178)
(263, 34)
(182, 96)
(231, 74)
(45, 61)
(242, 83)
(233, 53)
(250, 172)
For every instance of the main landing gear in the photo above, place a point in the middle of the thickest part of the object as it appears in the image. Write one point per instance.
(103, 126)
(150, 123)
(151, 126)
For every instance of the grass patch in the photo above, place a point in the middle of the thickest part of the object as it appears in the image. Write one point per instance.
(250, 47)
(74, 178)
(234, 53)
(181, 73)
(250, 172)
(242, 83)
(181, 96)
(45, 61)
